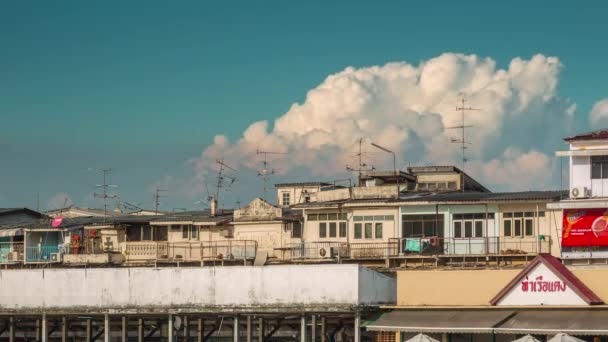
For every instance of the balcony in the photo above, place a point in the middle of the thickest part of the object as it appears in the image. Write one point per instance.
(11, 252)
(43, 254)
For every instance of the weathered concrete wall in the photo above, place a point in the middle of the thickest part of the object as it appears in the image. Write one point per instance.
(326, 288)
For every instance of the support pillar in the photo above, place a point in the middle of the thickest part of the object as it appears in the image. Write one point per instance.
(249, 330)
(88, 332)
(357, 328)
(236, 329)
(313, 330)
(44, 330)
(444, 337)
(322, 329)
(64, 329)
(186, 329)
(124, 329)
(303, 329)
(106, 328)
(11, 329)
(140, 330)
(170, 329)
(261, 330)
(200, 330)
(37, 330)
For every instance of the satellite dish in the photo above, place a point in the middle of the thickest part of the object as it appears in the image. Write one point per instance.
(56, 222)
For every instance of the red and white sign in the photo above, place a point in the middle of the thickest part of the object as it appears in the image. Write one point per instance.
(56, 222)
(585, 227)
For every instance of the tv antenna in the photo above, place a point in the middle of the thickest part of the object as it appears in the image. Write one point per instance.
(132, 207)
(462, 127)
(104, 190)
(157, 196)
(223, 180)
(265, 173)
(362, 167)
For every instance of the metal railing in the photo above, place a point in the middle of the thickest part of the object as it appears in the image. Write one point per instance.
(43, 254)
(317, 250)
(11, 252)
(191, 251)
(229, 250)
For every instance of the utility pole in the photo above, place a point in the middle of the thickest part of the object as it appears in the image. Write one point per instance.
(462, 141)
(362, 167)
(265, 173)
(105, 186)
(157, 197)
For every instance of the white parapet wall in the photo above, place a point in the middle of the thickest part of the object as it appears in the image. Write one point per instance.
(211, 289)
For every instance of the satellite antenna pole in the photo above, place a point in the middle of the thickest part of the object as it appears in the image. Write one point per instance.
(220, 181)
(105, 186)
(363, 167)
(462, 141)
(157, 197)
(265, 173)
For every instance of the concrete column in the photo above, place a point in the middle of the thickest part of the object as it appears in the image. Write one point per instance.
(357, 328)
(261, 330)
(88, 338)
(235, 333)
(11, 329)
(64, 329)
(44, 330)
(303, 329)
(313, 330)
(444, 337)
(170, 329)
(186, 329)
(106, 328)
(200, 330)
(124, 331)
(37, 330)
(140, 330)
(322, 329)
(249, 330)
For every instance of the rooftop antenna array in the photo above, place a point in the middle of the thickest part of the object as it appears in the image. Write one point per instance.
(104, 193)
(462, 108)
(131, 207)
(362, 167)
(224, 181)
(157, 196)
(265, 172)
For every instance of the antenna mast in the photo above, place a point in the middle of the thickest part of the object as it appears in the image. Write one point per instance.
(462, 141)
(363, 167)
(221, 176)
(157, 197)
(265, 173)
(105, 186)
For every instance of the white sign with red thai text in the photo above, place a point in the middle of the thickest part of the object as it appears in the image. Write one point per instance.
(541, 287)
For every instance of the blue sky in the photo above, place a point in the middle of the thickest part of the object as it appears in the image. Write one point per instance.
(142, 87)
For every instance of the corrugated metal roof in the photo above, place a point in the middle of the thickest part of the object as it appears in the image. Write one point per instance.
(549, 322)
(287, 185)
(550, 195)
(599, 134)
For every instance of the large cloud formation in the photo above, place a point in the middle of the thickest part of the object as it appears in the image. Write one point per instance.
(409, 109)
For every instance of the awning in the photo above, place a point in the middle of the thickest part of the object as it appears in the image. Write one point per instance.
(548, 322)
(11, 232)
(441, 321)
(581, 153)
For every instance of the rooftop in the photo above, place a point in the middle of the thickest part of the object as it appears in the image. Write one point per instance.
(600, 134)
(301, 184)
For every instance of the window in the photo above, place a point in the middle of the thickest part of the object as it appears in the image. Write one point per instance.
(507, 226)
(185, 232)
(378, 230)
(368, 230)
(422, 225)
(296, 229)
(342, 229)
(473, 223)
(146, 234)
(452, 185)
(313, 217)
(358, 227)
(599, 167)
(322, 229)
(194, 232)
(517, 230)
(160, 233)
(529, 227)
(286, 198)
(332, 229)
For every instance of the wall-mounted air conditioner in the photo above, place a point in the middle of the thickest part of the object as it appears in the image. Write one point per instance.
(579, 192)
(55, 257)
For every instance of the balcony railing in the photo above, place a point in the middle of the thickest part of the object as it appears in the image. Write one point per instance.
(229, 250)
(191, 251)
(43, 254)
(11, 252)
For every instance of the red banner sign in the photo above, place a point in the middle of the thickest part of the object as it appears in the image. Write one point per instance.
(585, 227)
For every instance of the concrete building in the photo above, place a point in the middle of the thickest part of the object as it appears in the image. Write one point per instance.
(584, 228)
(307, 303)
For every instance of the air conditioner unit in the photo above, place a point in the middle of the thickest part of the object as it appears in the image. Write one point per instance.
(579, 192)
(227, 233)
(55, 257)
(325, 253)
(13, 256)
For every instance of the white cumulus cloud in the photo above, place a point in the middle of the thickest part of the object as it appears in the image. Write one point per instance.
(59, 201)
(599, 113)
(409, 108)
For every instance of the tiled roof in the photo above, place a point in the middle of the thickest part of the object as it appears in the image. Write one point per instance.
(599, 134)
